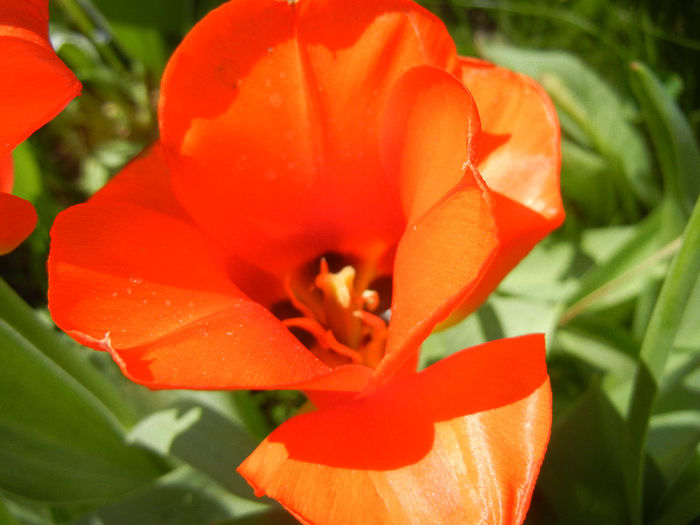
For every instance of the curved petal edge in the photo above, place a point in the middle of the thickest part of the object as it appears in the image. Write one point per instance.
(460, 442)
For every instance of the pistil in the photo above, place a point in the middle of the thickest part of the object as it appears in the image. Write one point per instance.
(338, 315)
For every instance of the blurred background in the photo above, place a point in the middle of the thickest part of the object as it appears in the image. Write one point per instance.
(615, 289)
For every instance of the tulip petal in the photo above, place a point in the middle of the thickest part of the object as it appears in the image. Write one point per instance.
(460, 442)
(17, 216)
(429, 133)
(139, 280)
(524, 165)
(519, 160)
(35, 85)
(7, 176)
(430, 129)
(294, 92)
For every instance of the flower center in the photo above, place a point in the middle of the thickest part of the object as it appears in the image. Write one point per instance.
(340, 311)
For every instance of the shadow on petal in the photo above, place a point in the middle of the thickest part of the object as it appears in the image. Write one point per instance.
(461, 442)
(394, 425)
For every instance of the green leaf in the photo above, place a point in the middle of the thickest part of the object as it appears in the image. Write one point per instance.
(586, 185)
(143, 42)
(176, 18)
(688, 335)
(5, 517)
(523, 315)
(675, 297)
(602, 244)
(26, 512)
(251, 414)
(500, 317)
(635, 262)
(65, 353)
(182, 497)
(57, 441)
(28, 183)
(681, 503)
(543, 274)
(673, 440)
(202, 437)
(674, 429)
(580, 480)
(656, 347)
(679, 388)
(674, 142)
(272, 516)
(606, 350)
(440, 344)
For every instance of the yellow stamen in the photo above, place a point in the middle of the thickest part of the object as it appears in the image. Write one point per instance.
(335, 309)
(370, 300)
(336, 286)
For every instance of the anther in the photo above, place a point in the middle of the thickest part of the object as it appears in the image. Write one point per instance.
(339, 285)
(370, 300)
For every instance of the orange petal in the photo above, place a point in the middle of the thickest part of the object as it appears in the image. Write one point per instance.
(270, 113)
(35, 85)
(520, 159)
(430, 131)
(439, 261)
(524, 165)
(241, 347)
(460, 442)
(17, 217)
(429, 134)
(6, 174)
(154, 290)
(147, 183)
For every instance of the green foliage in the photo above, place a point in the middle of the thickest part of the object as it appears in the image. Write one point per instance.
(59, 442)
(615, 290)
(184, 432)
(182, 497)
(678, 154)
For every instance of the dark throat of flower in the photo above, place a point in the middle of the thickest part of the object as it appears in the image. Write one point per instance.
(339, 310)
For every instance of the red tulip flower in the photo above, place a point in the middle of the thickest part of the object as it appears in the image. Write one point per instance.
(34, 87)
(331, 182)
